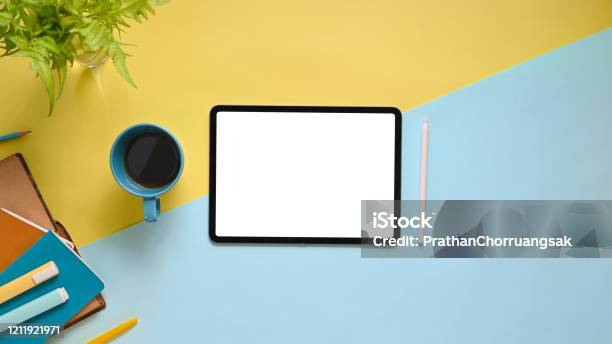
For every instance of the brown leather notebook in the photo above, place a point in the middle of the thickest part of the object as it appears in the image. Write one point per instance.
(17, 237)
(19, 194)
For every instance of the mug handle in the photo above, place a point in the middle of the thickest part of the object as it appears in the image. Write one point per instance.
(151, 209)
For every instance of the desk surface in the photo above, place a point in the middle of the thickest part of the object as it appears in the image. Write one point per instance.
(540, 130)
(195, 54)
(185, 288)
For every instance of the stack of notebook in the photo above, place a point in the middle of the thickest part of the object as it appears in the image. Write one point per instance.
(32, 244)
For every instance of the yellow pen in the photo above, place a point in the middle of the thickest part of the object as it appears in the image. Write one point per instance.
(28, 281)
(114, 332)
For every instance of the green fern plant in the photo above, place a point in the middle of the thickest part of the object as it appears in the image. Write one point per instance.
(45, 32)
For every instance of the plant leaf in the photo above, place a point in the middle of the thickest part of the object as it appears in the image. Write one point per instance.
(127, 6)
(5, 18)
(118, 57)
(31, 53)
(43, 71)
(158, 2)
(74, 7)
(61, 66)
(69, 21)
(19, 41)
(48, 43)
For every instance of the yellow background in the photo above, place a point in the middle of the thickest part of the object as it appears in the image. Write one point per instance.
(195, 54)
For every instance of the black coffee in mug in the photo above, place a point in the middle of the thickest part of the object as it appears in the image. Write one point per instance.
(152, 160)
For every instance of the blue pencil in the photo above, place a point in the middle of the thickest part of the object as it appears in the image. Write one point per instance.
(15, 135)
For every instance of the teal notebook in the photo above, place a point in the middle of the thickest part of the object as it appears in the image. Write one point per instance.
(81, 283)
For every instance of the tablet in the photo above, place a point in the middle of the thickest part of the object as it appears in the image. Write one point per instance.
(298, 174)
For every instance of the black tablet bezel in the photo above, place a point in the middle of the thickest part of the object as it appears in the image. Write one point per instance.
(264, 108)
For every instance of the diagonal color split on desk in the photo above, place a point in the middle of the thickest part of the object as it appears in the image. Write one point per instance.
(541, 130)
(554, 110)
(195, 54)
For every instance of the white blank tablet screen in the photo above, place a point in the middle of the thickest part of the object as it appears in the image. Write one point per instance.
(300, 174)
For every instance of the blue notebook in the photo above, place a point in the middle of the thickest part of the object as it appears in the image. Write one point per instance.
(81, 283)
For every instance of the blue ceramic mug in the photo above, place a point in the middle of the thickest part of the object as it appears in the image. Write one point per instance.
(147, 160)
